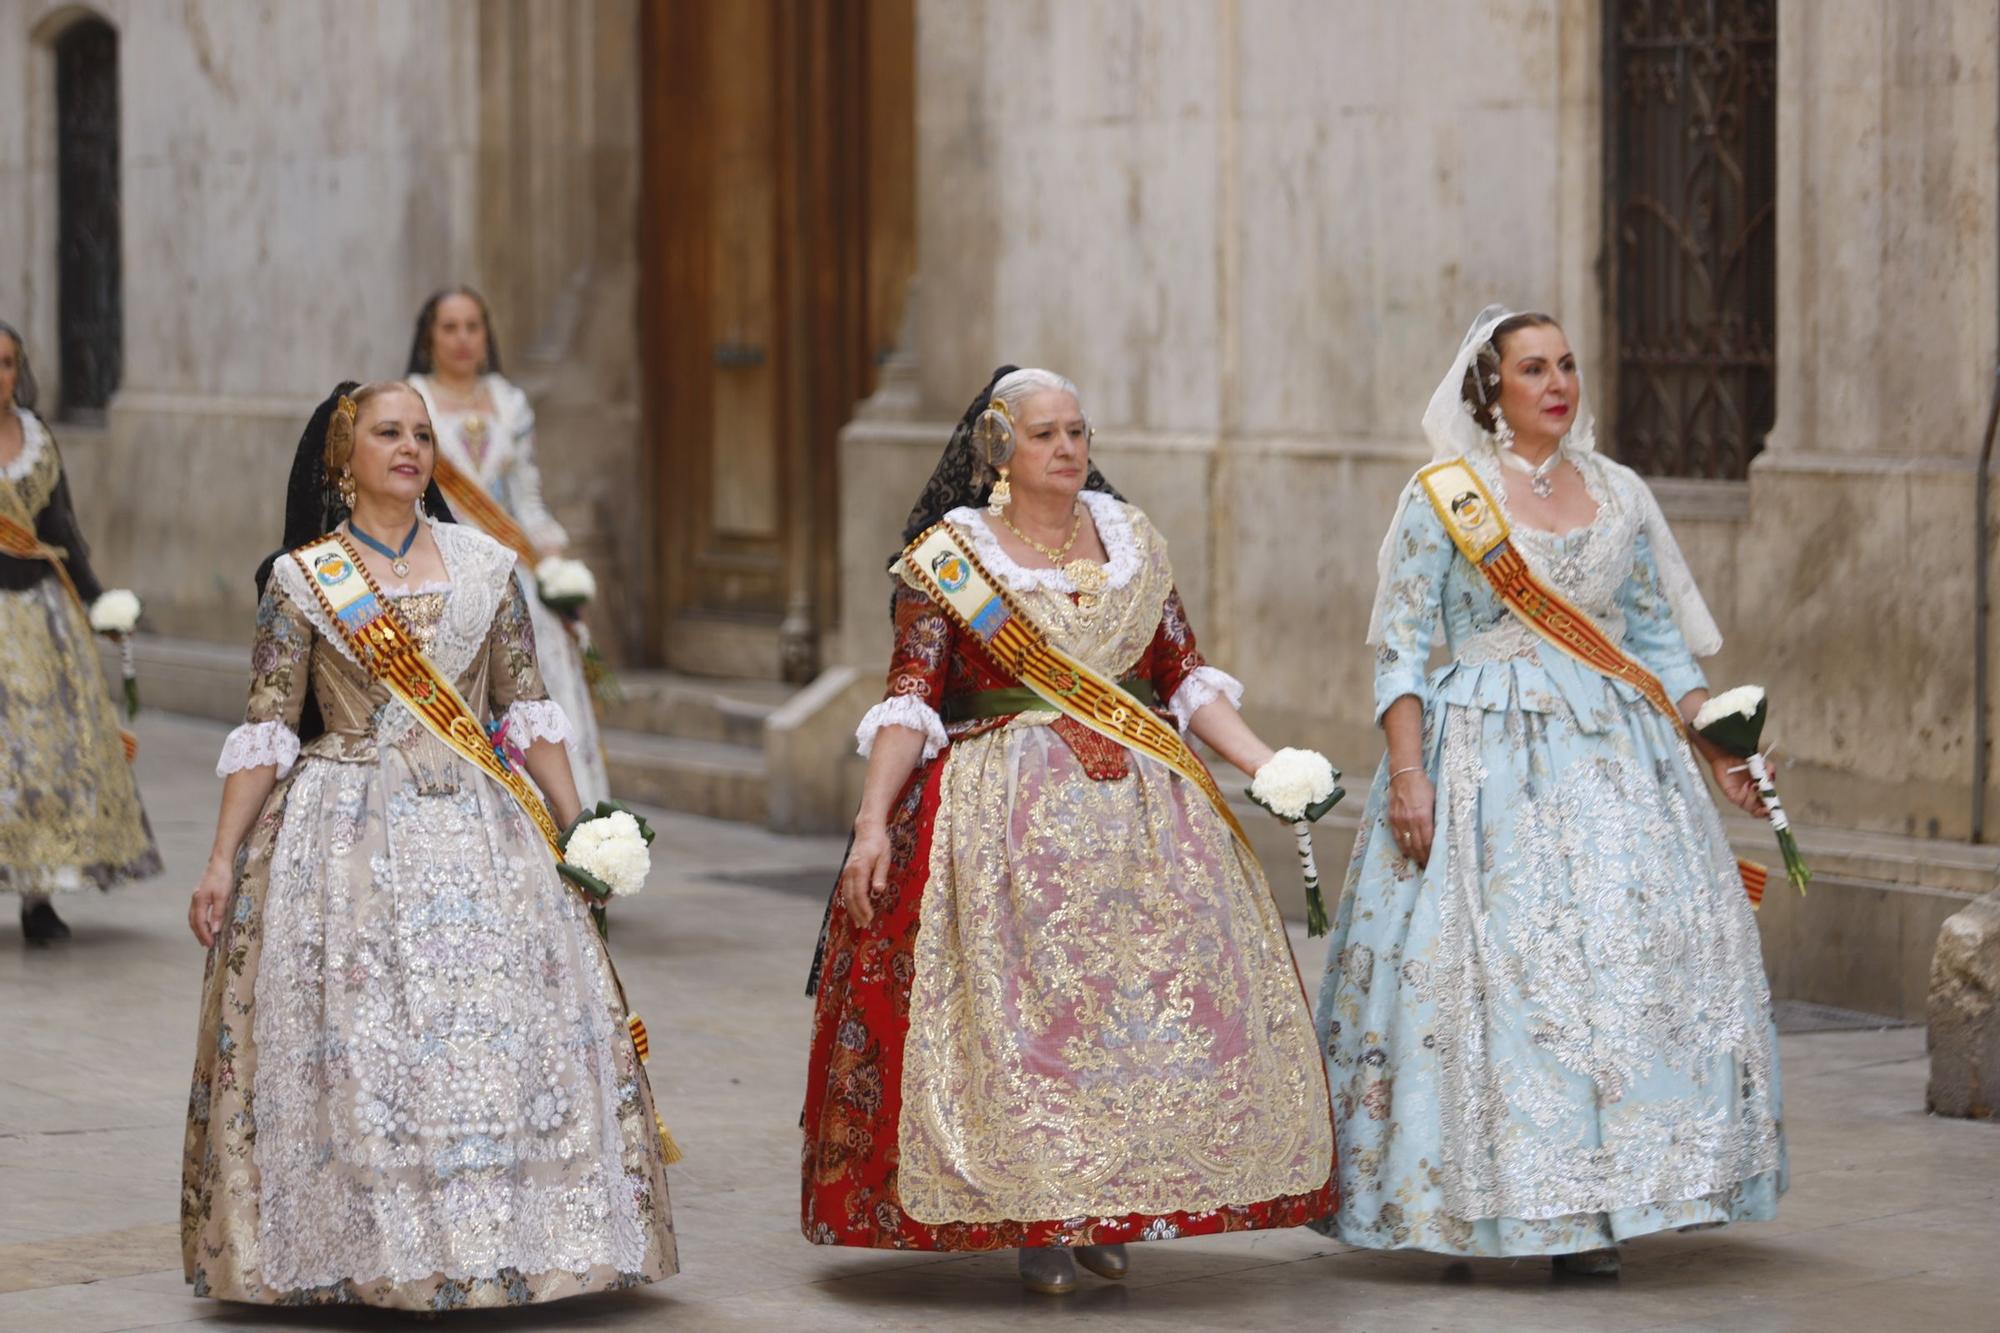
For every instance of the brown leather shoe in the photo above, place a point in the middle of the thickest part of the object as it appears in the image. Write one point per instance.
(1107, 1261)
(1049, 1270)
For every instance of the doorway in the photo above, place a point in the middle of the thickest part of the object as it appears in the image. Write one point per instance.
(777, 237)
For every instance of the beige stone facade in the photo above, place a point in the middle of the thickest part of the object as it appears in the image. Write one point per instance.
(295, 179)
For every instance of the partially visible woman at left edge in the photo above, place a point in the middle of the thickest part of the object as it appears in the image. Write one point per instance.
(70, 816)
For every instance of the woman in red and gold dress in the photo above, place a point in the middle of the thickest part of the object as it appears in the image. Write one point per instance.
(1056, 1007)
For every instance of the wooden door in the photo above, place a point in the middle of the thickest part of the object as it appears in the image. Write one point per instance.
(764, 251)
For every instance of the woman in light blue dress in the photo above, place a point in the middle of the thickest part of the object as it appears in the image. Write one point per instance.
(1545, 1015)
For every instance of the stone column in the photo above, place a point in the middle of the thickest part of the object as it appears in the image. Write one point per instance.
(1855, 578)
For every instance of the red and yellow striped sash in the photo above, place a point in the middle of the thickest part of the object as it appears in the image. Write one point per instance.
(943, 565)
(387, 650)
(471, 500)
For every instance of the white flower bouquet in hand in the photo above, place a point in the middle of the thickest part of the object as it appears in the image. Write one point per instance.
(116, 612)
(1298, 786)
(566, 586)
(607, 853)
(1733, 721)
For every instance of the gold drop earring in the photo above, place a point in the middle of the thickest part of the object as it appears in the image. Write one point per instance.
(1001, 497)
(343, 486)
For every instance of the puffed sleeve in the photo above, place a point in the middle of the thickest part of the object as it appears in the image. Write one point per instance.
(1651, 633)
(520, 697)
(1410, 600)
(524, 483)
(280, 675)
(916, 674)
(1181, 676)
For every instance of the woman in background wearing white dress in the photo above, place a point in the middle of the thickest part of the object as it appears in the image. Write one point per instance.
(486, 428)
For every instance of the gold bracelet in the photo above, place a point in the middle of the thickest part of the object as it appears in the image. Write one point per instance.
(1413, 768)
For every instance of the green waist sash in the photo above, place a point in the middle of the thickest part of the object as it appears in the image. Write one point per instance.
(982, 704)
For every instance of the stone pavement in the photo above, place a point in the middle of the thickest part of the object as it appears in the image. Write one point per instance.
(1893, 1219)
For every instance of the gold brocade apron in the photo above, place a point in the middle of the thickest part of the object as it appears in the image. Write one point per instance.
(1479, 532)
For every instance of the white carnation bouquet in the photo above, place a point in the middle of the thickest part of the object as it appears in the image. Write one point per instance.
(1298, 786)
(1734, 721)
(116, 612)
(607, 853)
(566, 586)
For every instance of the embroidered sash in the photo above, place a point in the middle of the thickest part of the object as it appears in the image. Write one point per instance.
(387, 650)
(20, 541)
(471, 500)
(1473, 520)
(945, 567)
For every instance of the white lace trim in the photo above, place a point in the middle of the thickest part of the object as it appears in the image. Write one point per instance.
(257, 745)
(905, 710)
(34, 439)
(1112, 518)
(1203, 686)
(531, 720)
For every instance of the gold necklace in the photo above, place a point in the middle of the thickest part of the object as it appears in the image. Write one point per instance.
(1089, 578)
(1055, 554)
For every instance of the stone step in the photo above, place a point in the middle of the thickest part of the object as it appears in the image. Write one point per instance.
(701, 777)
(666, 703)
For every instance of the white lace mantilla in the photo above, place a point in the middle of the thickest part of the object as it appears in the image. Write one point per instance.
(905, 710)
(531, 720)
(1114, 528)
(257, 744)
(477, 567)
(1204, 686)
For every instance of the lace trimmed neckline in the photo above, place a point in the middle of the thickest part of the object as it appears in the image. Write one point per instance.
(1114, 530)
(34, 438)
(1495, 475)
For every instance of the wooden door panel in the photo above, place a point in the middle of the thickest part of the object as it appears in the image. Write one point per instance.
(764, 301)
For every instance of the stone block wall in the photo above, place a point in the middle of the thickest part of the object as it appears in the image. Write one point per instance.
(295, 179)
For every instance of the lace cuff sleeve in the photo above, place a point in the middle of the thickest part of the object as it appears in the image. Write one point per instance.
(905, 710)
(256, 745)
(1201, 686)
(531, 720)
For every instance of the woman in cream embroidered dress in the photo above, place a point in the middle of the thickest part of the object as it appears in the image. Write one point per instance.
(413, 1083)
(487, 428)
(1056, 1005)
(1545, 1014)
(70, 816)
